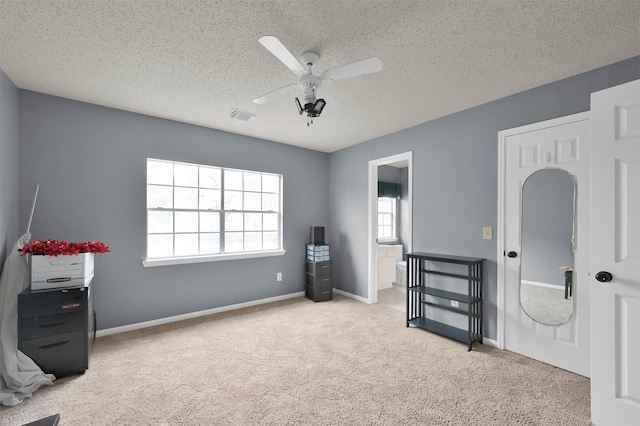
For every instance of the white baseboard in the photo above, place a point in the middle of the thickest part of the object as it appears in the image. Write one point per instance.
(490, 342)
(160, 321)
(351, 296)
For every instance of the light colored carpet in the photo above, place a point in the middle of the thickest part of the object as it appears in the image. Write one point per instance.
(297, 362)
(394, 297)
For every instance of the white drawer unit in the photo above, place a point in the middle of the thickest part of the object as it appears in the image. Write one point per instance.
(387, 258)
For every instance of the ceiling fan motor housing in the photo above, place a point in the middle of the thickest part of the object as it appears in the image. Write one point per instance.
(309, 83)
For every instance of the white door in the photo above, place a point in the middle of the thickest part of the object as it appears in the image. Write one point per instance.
(557, 144)
(615, 249)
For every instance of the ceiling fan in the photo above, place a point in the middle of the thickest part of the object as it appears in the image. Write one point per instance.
(315, 95)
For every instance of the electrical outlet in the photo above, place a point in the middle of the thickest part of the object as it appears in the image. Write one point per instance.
(455, 304)
(487, 233)
(279, 276)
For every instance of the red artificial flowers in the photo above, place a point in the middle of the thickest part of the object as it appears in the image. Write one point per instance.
(62, 248)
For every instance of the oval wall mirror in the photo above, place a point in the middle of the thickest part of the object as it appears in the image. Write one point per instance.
(547, 237)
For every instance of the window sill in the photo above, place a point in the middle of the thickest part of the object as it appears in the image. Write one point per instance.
(387, 240)
(147, 263)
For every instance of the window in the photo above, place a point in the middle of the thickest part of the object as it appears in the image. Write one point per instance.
(386, 218)
(198, 210)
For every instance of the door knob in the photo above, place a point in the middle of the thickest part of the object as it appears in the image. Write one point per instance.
(512, 254)
(604, 276)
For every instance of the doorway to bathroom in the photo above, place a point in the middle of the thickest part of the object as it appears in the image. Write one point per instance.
(390, 228)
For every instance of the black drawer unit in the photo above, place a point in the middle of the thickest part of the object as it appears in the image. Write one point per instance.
(316, 235)
(319, 269)
(319, 281)
(56, 328)
(319, 293)
(319, 277)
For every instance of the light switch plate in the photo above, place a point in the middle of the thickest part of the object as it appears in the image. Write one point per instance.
(487, 233)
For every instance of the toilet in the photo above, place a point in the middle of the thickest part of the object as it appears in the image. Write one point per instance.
(401, 267)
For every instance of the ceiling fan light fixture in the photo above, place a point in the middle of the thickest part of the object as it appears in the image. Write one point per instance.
(312, 109)
(318, 106)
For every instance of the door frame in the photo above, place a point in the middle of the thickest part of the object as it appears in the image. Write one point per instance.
(500, 234)
(373, 216)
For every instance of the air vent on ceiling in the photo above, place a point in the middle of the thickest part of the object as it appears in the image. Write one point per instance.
(241, 115)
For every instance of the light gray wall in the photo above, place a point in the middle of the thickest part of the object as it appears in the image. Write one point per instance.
(454, 175)
(91, 164)
(388, 174)
(547, 226)
(8, 166)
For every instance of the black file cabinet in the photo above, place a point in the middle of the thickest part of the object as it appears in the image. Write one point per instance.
(56, 328)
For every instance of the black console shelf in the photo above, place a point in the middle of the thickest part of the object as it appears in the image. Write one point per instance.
(418, 286)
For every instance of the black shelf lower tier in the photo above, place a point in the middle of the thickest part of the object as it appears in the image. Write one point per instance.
(464, 298)
(446, 330)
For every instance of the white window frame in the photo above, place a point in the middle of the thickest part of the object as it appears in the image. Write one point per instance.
(393, 214)
(198, 258)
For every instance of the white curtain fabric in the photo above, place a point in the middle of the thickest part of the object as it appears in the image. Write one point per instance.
(19, 375)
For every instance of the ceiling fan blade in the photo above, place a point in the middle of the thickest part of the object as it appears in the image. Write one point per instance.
(365, 66)
(332, 101)
(278, 50)
(281, 91)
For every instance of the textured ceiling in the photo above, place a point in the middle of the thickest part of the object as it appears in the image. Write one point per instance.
(194, 61)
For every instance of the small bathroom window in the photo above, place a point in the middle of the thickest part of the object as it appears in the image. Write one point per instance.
(386, 219)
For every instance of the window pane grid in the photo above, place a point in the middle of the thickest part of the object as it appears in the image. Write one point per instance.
(386, 218)
(201, 210)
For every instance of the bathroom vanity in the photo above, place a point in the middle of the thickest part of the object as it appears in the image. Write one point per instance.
(388, 257)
